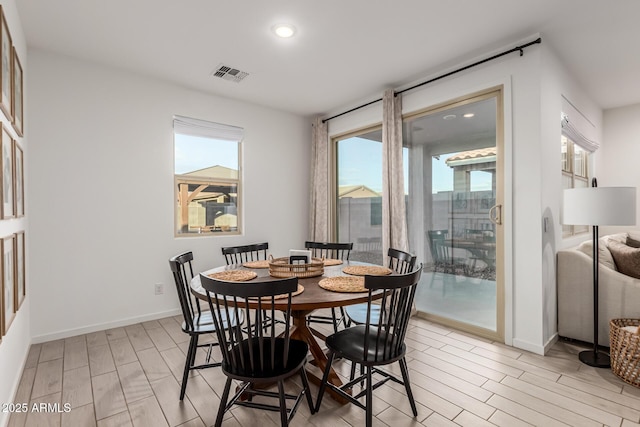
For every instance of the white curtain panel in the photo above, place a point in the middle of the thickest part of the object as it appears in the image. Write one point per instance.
(394, 218)
(319, 191)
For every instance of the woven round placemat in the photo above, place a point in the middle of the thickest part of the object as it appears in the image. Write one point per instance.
(256, 264)
(330, 261)
(234, 275)
(343, 284)
(281, 296)
(363, 270)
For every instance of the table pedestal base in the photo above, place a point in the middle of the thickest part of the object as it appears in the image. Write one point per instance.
(302, 332)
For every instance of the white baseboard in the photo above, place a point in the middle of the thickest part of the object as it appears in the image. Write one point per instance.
(102, 326)
(551, 342)
(525, 345)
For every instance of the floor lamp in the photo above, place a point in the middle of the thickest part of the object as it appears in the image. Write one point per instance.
(597, 206)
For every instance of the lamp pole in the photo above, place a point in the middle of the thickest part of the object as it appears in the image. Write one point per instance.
(594, 357)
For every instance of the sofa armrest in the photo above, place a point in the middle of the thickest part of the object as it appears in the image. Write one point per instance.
(619, 297)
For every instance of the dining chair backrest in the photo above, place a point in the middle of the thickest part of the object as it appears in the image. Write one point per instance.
(245, 253)
(473, 234)
(329, 250)
(400, 261)
(437, 245)
(182, 275)
(390, 328)
(263, 349)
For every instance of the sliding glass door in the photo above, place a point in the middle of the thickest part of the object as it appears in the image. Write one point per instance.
(454, 211)
(453, 190)
(359, 193)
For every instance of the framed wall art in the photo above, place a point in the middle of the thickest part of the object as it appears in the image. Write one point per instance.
(5, 66)
(1, 301)
(18, 179)
(8, 282)
(19, 256)
(17, 93)
(6, 165)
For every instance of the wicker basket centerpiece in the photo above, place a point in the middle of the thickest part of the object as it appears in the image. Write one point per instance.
(281, 267)
(625, 350)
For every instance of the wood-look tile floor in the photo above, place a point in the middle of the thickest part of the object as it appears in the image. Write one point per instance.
(131, 376)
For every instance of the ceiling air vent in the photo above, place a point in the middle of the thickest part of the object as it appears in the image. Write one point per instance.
(229, 73)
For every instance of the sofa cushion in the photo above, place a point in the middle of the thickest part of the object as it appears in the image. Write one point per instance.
(627, 258)
(604, 256)
(634, 234)
(633, 242)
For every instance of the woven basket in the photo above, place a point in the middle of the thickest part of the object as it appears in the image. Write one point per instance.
(625, 351)
(280, 267)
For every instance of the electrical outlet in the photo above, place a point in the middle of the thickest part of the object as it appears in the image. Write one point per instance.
(159, 289)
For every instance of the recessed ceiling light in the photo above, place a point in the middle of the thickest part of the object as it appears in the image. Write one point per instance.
(468, 115)
(449, 116)
(284, 30)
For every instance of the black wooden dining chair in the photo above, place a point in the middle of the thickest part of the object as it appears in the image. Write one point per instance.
(196, 322)
(325, 250)
(245, 253)
(267, 356)
(399, 261)
(445, 262)
(378, 343)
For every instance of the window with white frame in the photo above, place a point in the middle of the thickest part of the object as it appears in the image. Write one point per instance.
(207, 177)
(575, 174)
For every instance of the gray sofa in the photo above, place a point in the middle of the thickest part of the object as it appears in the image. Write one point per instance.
(619, 293)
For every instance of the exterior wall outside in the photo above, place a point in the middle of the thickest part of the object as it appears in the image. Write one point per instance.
(355, 219)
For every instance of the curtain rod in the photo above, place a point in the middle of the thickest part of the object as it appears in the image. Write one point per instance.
(466, 67)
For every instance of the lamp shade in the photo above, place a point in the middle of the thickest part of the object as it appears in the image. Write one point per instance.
(599, 206)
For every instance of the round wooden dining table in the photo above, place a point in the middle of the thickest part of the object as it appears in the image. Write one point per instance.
(312, 298)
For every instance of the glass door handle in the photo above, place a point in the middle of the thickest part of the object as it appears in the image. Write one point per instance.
(495, 214)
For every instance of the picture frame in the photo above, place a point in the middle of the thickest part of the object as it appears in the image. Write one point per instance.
(19, 269)
(18, 179)
(2, 315)
(6, 175)
(5, 67)
(8, 283)
(17, 97)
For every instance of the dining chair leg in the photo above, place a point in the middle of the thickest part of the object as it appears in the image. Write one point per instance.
(369, 399)
(433, 275)
(343, 317)
(325, 378)
(347, 319)
(352, 375)
(283, 404)
(407, 385)
(307, 390)
(223, 402)
(335, 320)
(193, 342)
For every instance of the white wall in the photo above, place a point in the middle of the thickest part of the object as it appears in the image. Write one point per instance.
(620, 154)
(558, 88)
(532, 109)
(101, 199)
(15, 345)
